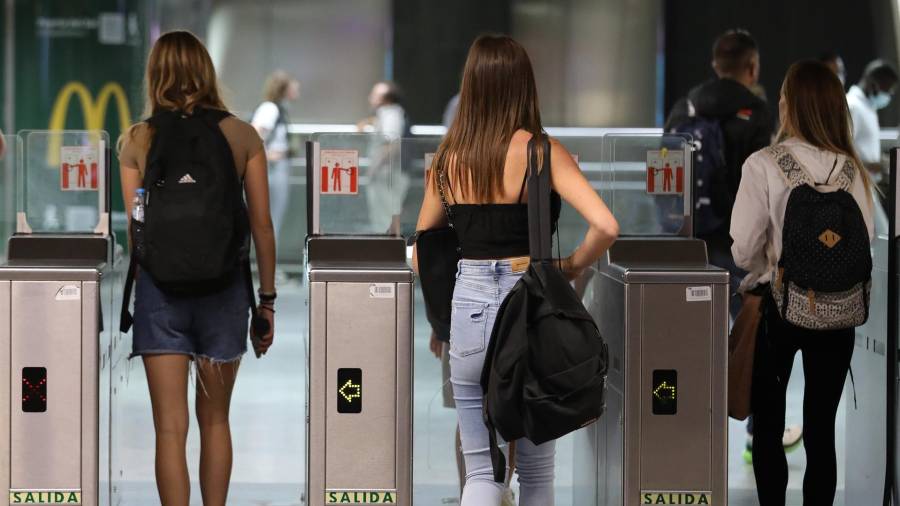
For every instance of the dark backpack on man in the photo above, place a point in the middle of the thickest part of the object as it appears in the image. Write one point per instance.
(824, 275)
(545, 368)
(713, 200)
(196, 232)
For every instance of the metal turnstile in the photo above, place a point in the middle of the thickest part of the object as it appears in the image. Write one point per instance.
(50, 320)
(360, 399)
(663, 439)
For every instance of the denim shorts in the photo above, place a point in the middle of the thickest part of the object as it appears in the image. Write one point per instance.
(212, 327)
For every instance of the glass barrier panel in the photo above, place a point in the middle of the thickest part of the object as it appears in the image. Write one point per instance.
(10, 157)
(588, 154)
(651, 189)
(62, 182)
(416, 155)
(357, 188)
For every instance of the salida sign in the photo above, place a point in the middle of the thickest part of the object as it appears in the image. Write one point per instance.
(360, 497)
(44, 497)
(679, 498)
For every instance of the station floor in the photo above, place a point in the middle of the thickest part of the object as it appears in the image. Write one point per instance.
(268, 431)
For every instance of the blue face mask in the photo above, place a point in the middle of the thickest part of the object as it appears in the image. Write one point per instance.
(880, 100)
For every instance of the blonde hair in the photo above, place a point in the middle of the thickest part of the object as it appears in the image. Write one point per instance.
(180, 75)
(277, 85)
(817, 112)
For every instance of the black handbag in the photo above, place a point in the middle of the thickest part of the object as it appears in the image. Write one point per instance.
(438, 251)
(545, 369)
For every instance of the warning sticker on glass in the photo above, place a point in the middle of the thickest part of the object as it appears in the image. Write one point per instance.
(665, 172)
(381, 291)
(78, 169)
(699, 293)
(340, 171)
(69, 292)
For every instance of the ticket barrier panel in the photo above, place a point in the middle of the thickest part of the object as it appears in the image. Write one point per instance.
(55, 325)
(360, 326)
(663, 439)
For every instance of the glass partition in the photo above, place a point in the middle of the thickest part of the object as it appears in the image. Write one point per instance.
(416, 155)
(650, 186)
(10, 157)
(62, 182)
(357, 187)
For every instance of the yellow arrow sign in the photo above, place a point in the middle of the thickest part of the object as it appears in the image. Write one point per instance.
(350, 391)
(661, 391)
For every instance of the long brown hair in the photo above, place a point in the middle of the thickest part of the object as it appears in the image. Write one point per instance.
(816, 112)
(498, 96)
(180, 75)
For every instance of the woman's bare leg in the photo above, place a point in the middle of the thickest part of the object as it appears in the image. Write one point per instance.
(167, 376)
(216, 382)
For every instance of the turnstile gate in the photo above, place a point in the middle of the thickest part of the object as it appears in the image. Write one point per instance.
(360, 398)
(50, 318)
(663, 439)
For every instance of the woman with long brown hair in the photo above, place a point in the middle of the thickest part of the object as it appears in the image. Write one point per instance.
(480, 168)
(210, 329)
(815, 143)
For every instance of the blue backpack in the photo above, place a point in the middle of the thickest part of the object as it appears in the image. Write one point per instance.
(713, 199)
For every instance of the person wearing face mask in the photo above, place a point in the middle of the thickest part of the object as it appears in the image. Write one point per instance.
(873, 92)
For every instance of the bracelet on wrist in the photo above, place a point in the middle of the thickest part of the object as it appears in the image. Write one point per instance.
(268, 308)
(267, 297)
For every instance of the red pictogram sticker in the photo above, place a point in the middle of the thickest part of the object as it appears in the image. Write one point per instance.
(78, 170)
(339, 172)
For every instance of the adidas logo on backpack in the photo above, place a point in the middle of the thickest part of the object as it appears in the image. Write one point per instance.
(824, 275)
(187, 179)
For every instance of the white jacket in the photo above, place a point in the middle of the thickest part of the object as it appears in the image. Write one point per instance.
(758, 215)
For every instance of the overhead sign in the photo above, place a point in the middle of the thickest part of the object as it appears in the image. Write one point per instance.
(665, 172)
(44, 497)
(361, 497)
(679, 498)
(349, 390)
(340, 171)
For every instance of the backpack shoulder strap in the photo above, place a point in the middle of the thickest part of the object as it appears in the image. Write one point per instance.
(791, 169)
(844, 178)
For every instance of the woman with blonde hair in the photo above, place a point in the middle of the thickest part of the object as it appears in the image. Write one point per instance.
(814, 150)
(209, 328)
(271, 122)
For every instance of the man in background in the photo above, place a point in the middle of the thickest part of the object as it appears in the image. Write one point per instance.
(873, 93)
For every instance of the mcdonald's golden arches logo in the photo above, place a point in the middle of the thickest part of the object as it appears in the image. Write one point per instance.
(94, 111)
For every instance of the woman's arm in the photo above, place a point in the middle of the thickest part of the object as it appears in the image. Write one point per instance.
(574, 188)
(750, 218)
(431, 215)
(256, 186)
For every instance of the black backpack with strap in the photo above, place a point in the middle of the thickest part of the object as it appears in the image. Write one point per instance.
(545, 368)
(195, 236)
(824, 275)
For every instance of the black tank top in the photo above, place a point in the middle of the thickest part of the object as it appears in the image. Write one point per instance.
(497, 230)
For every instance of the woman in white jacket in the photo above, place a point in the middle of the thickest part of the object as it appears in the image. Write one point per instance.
(816, 131)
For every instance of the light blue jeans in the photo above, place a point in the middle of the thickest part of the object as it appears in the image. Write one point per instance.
(481, 286)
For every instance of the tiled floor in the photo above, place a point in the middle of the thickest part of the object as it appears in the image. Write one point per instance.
(268, 430)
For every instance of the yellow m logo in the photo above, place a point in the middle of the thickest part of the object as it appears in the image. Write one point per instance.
(94, 111)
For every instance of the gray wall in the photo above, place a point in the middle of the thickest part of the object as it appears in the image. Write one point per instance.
(336, 48)
(594, 61)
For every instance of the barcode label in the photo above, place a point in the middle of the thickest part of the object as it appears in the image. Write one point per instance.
(69, 292)
(699, 293)
(381, 291)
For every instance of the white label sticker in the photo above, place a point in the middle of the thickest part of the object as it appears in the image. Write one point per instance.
(381, 291)
(69, 292)
(699, 293)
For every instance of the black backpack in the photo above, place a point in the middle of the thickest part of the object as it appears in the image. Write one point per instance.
(824, 275)
(545, 368)
(713, 200)
(196, 231)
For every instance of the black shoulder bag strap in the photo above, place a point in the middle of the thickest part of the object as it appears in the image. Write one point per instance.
(540, 249)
